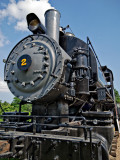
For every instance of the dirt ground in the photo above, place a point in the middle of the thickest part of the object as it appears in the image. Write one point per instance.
(118, 151)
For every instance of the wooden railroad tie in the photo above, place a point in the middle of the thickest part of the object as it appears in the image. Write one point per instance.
(114, 144)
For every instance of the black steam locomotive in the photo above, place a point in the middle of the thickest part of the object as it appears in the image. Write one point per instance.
(73, 108)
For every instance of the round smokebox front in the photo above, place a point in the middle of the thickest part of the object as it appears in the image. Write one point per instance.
(29, 67)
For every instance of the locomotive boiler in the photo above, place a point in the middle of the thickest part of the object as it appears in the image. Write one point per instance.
(73, 107)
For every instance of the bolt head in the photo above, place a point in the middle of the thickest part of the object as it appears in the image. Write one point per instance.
(40, 76)
(46, 57)
(23, 84)
(41, 47)
(32, 83)
(4, 60)
(24, 46)
(46, 64)
(21, 97)
(12, 72)
(33, 44)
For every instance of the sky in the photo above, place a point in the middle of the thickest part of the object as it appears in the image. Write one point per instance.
(97, 19)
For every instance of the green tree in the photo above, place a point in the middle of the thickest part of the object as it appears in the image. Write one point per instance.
(0, 107)
(15, 103)
(14, 106)
(117, 96)
(7, 107)
(25, 108)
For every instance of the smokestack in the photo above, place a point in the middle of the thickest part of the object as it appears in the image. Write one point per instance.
(52, 23)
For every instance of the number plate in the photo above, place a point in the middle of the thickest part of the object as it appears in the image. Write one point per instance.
(24, 62)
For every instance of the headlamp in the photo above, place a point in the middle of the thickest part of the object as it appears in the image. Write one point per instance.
(34, 24)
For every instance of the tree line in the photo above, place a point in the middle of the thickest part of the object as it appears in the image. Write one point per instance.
(117, 96)
(14, 106)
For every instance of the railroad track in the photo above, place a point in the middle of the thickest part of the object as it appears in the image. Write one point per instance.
(114, 153)
(115, 149)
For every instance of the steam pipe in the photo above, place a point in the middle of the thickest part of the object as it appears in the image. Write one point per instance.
(52, 23)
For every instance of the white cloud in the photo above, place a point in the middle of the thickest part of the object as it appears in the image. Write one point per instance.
(3, 86)
(3, 40)
(17, 11)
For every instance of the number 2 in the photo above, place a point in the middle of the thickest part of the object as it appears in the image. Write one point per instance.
(23, 62)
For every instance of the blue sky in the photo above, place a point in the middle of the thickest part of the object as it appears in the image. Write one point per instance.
(97, 19)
